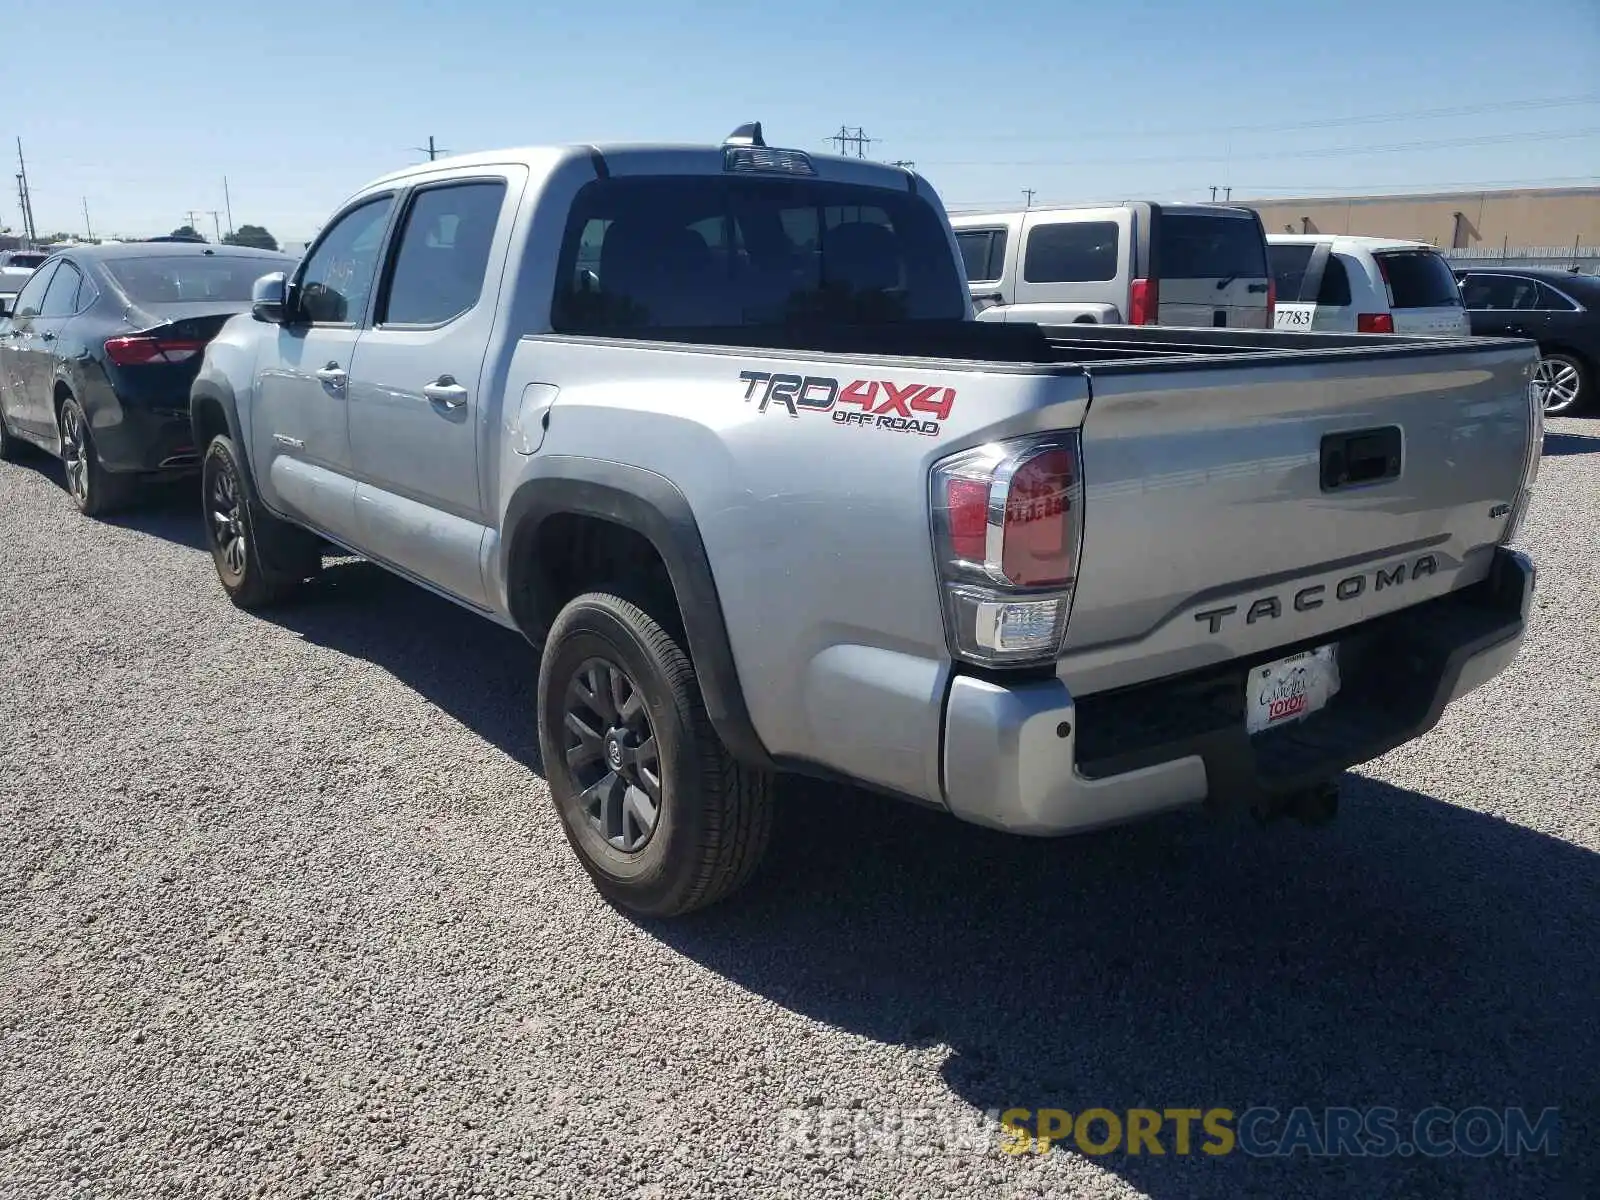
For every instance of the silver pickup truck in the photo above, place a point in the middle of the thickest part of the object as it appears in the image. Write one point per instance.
(714, 428)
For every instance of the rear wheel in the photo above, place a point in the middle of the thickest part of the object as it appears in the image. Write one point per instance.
(95, 490)
(259, 559)
(660, 814)
(1564, 381)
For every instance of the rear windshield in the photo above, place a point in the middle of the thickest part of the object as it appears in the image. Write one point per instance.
(1289, 265)
(1202, 246)
(1419, 279)
(25, 261)
(174, 280)
(716, 251)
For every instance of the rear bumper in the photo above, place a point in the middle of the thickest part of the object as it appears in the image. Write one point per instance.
(1030, 759)
(142, 440)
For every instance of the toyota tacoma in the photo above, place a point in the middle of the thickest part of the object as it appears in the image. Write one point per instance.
(715, 429)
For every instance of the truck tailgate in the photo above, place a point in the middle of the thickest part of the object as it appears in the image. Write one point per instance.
(1215, 522)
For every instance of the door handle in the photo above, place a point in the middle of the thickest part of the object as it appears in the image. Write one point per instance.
(333, 375)
(446, 391)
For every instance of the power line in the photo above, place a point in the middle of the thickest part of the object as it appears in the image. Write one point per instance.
(430, 149)
(1495, 139)
(1302, 191)
(848, 138)
(1465, 110)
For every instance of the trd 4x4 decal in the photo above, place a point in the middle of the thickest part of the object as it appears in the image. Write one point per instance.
(866, 403)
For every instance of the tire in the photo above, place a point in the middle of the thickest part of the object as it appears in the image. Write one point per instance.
(260, 560)
(712, 815)
(95, 490)
(1567, 382)
(9, 447)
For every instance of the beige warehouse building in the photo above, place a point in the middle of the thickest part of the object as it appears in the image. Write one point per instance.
(1482, 221)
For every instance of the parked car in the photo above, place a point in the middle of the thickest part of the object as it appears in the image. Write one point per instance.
(1557, 309)
(97, 359)
(1364, 285)
(715, 430)
(16, 266)
(1136, 264)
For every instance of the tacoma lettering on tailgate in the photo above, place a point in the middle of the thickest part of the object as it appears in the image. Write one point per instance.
(1270, 608)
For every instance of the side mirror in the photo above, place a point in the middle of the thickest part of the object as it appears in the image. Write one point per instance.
(269, 299)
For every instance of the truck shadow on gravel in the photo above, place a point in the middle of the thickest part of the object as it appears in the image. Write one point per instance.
(168, 509)
(1559, 445)
(477, 671)
(1413, 954)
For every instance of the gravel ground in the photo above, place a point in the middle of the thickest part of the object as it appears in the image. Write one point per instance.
(283, 912)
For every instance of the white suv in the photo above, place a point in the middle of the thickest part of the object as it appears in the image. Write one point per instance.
(1138, 263)
(1364, 285)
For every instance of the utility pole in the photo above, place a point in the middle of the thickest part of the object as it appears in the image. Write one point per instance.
(430, 149)
(1227, 193)
(848, 138)
(227, 203)
(1028, 193)
(904, 163)
(29, 233)
(88, 229)
(1213, 193)
(216, 222)
(194, 220)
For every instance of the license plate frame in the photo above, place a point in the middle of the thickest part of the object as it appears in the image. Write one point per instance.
(1288, 690)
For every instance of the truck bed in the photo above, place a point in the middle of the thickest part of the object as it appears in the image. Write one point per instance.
(1070, 348)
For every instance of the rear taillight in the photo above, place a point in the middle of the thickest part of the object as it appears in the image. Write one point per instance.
(1374, 323)
(1144, 298)
(1008, 525)
(140, 350)
(1530, 463)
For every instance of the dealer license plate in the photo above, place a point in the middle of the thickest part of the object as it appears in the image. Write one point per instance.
(1291, 689)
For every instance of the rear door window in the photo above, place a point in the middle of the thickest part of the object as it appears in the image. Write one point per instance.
(62, 298)
(1335, 289)
(443, 255)
(983, 253)
(1553, 300)
(1071, 252)
(1418, 279)
(1206, 246)
(1289, 263)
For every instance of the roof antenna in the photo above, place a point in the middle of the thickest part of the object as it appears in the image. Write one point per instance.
(748, 134)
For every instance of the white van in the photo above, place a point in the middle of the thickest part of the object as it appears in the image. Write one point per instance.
(1138, 263)
(1364, 285)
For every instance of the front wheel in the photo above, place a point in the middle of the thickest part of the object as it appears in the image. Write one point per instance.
(235, 527)
(1564, 382)
(662, 817)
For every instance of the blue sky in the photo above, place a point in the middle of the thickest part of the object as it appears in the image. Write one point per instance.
(143, 111)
